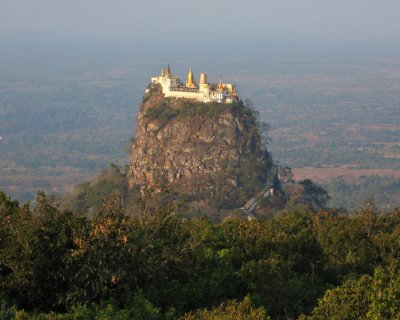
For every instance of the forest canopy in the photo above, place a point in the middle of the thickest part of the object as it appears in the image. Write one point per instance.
(56, 264)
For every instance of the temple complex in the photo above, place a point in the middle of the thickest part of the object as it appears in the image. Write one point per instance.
(203, 91)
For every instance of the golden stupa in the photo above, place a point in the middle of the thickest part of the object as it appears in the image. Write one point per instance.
(190, 83)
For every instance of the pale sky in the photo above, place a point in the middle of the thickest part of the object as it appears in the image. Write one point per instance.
(365, 21)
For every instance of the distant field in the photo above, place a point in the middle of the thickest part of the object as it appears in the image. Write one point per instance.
(347, 174)
(64, 117)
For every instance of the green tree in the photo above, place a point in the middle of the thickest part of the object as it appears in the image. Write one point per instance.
(86, 198)
(370, 297)
(314, 196)
(229, 310)
(347, 302)
(8, 211)
(385, 294)
(35, 259)
(100, 260)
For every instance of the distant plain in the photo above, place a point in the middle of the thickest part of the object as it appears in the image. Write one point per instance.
(67, 113)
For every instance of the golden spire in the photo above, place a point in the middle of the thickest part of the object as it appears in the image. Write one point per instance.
(168, 71)
(234, 92)
(162, 72)
(220, 86)
(190, 83)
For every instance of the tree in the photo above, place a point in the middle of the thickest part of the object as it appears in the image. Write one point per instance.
(101, 258)
(385, 294)
(35, 259)
(8, 210)
(347, 302)
(229, 310)
(314, 196)
(370, 297)
(346, 244)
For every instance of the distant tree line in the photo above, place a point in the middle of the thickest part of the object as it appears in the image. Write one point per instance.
(385, 191)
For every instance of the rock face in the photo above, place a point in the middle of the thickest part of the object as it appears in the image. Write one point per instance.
(203, 150)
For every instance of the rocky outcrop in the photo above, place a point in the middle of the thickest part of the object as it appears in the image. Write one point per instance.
(203, 150)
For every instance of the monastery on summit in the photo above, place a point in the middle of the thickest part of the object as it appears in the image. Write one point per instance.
(203, 91)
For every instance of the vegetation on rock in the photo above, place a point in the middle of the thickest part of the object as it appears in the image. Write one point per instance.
(209, 152)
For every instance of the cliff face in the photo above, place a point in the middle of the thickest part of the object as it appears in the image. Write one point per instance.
(207, 151)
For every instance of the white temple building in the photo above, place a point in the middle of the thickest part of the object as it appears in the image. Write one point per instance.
(203, 91)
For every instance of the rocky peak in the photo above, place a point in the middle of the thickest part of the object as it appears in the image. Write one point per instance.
(209, 151)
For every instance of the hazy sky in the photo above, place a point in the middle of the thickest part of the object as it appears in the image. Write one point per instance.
(201, 20)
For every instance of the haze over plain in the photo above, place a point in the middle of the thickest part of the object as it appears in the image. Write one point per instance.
(324, 74)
